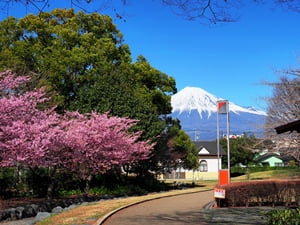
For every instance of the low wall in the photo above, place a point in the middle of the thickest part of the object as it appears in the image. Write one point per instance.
(190, 175)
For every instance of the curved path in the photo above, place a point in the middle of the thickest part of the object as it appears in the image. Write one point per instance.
(175, 210)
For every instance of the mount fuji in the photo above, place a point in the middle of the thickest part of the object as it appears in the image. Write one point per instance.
(197, 111)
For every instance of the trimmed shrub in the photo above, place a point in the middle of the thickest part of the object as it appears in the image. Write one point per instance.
(261, 193)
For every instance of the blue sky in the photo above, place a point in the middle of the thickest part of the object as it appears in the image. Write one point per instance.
(230, 60)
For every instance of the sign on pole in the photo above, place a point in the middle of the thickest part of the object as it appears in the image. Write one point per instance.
(223, 108)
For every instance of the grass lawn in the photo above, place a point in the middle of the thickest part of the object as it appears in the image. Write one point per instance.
(271, 174)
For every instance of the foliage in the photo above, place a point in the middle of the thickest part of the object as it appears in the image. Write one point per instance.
(118, 190)
(283, 217)
(70, 53)
(39, 179)
(62, 49)
(98, 142)
(65, 193)
(85, 66)
(26, 132)
(66, 183)
(7, 181)
(85, 144)
(187, 148)
(174, 149)
(42, 138)
(125, 94)
(241, 149)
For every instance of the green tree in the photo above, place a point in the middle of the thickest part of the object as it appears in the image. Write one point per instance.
(241, 149)
(136, 90)
(83, 62)
(175, 150)
(65, 50)
(143, 94)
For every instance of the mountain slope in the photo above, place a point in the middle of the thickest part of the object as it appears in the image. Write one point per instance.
(197, 111)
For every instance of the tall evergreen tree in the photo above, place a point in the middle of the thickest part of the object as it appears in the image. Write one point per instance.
(85, 65)
(64, 49)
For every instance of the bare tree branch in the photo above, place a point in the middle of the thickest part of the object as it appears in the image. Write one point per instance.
(212, 11)
(205, 11)
(293, 5)
(284, 107)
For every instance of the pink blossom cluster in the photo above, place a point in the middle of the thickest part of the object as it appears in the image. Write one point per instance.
(87, 144)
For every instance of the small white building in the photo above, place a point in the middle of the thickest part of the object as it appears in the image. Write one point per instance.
(208, 160)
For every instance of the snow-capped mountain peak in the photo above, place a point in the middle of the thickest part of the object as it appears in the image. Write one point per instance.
(194, 98)
(197, 111)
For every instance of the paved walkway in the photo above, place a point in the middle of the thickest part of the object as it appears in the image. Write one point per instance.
(175, 210)
(178, 210)
(186, 209)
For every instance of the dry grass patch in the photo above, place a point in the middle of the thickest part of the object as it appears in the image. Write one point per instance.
(89, 214)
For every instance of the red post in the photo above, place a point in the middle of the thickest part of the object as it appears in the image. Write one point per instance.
(223, 177)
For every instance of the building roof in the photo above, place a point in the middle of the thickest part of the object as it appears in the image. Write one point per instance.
(292, 126)
(268, 155)
(210, 146)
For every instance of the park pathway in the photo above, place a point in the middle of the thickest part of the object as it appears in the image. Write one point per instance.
(178, 210)
(175, 210)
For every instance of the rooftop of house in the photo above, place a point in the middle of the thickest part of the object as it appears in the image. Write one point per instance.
(210, 146)
(268, 155)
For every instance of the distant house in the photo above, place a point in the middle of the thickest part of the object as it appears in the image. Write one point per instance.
(274, 159)
(208, 160)
(270, 159)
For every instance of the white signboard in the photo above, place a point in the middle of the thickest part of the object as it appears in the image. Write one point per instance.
(219, 193)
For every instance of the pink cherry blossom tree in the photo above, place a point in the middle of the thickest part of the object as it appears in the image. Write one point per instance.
(24, 130)
(9, 81)
(85, 144)
(94, 143)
